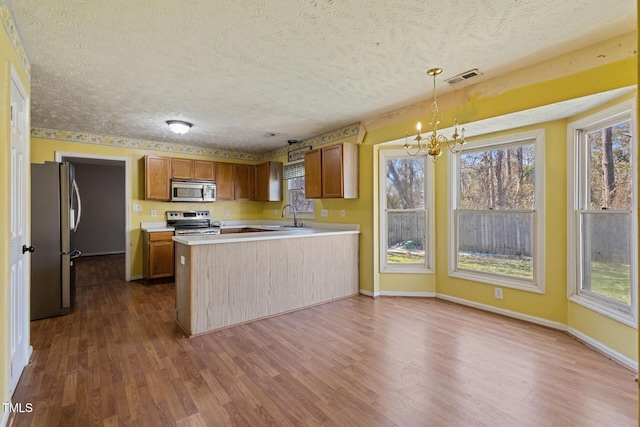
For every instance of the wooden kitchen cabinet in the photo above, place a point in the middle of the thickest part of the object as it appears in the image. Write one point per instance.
(268, 182)
(204, 170)
(313, 174)
(224, 181)
(158, 252)
(332, 172)
(244, 176)
(157, 178)
(181, 168)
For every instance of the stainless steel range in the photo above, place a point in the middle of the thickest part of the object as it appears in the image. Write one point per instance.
(192, 223)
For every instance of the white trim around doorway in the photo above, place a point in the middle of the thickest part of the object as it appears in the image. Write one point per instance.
(127, 195)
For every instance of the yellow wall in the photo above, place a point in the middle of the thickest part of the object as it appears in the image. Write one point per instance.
(8, 58)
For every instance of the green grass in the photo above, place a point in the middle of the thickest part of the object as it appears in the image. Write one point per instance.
(404, 258)
(611, 280)
(521, 267)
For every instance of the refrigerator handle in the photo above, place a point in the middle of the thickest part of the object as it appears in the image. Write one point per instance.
(75, 189)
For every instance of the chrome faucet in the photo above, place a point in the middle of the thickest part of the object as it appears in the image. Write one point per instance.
(295, 214)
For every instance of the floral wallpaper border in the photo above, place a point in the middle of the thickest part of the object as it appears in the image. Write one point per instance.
(10, 26)
(121, 142)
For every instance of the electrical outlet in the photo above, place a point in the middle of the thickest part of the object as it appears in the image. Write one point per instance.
(154, 212)
(343, 213)
(227, 212)
(275, 212)
(497, 292)
(182, 260)
(324, 212)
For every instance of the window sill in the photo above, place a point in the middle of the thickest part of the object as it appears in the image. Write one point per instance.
(406, 269)
(493, 279)
(610, 310)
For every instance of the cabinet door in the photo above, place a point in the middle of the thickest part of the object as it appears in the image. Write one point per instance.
(157, 178)
(243, 184)
(262, 182)
(160, 259)
(332, 178)
(181, 169)
(204, 170)
(268, 182)
(313, 174)
(224, 181)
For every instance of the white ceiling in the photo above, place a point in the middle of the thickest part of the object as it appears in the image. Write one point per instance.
(241, 69)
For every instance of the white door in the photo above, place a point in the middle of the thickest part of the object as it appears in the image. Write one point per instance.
(19, 261)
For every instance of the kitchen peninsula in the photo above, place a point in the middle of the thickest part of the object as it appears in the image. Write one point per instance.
(227, 279)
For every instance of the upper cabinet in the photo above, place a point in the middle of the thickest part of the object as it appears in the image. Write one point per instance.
(243, 182)
(224, 181)
(181, 168)
(204, 170)
(332, 172)
(268, 183)
(201, 170)
(157, 174)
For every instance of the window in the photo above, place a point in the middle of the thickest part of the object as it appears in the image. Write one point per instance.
(496, 206)
(406, 200)
(602, 226)
(294, 175)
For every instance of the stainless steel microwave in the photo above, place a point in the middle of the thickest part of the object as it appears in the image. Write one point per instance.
(193, 191)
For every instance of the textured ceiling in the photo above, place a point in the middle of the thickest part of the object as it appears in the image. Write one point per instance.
(241, 69)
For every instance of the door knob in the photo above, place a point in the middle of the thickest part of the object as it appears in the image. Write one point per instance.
(26, 248)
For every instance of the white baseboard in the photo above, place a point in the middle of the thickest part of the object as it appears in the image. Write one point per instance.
(508, 313)
(398, 294)
(621, 358)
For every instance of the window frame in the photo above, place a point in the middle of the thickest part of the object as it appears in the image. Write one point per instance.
(289, 212)
(537, 283)
(428, 267)
(576, 191)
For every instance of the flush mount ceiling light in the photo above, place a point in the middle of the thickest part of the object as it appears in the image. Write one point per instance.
(178, 126)
(431, 144)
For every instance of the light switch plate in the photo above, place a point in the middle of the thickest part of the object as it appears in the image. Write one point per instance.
(324, 212)
(182, 260)
(227, 212)
(343, 213)
(137, 207)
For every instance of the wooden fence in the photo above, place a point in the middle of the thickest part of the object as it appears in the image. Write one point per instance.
(496, 232)
(511, 234)
(403, 227)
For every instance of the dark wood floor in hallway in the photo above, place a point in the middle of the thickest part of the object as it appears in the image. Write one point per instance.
(119, 359)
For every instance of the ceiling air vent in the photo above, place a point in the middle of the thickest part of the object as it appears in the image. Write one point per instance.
(464, 76)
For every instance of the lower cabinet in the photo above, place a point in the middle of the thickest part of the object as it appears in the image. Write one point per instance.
(158, 254)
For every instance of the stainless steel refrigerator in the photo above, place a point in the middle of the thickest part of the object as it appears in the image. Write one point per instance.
(55, 216)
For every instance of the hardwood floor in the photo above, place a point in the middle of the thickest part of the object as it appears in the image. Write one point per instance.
(94, 270)
(119, 359)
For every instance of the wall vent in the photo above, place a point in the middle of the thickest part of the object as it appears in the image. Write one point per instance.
(464, 76)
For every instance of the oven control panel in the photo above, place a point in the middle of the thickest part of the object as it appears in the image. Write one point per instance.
(179, 215)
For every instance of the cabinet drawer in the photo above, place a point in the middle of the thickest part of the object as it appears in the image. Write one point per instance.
(160, 235)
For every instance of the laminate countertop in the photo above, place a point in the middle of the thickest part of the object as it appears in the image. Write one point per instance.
(268, 232)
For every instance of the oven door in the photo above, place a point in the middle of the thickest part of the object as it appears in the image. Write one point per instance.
(185, 191)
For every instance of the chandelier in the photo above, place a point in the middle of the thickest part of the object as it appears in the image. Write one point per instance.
(431, 143)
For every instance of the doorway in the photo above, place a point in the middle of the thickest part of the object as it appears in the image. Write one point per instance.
(106, 230)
